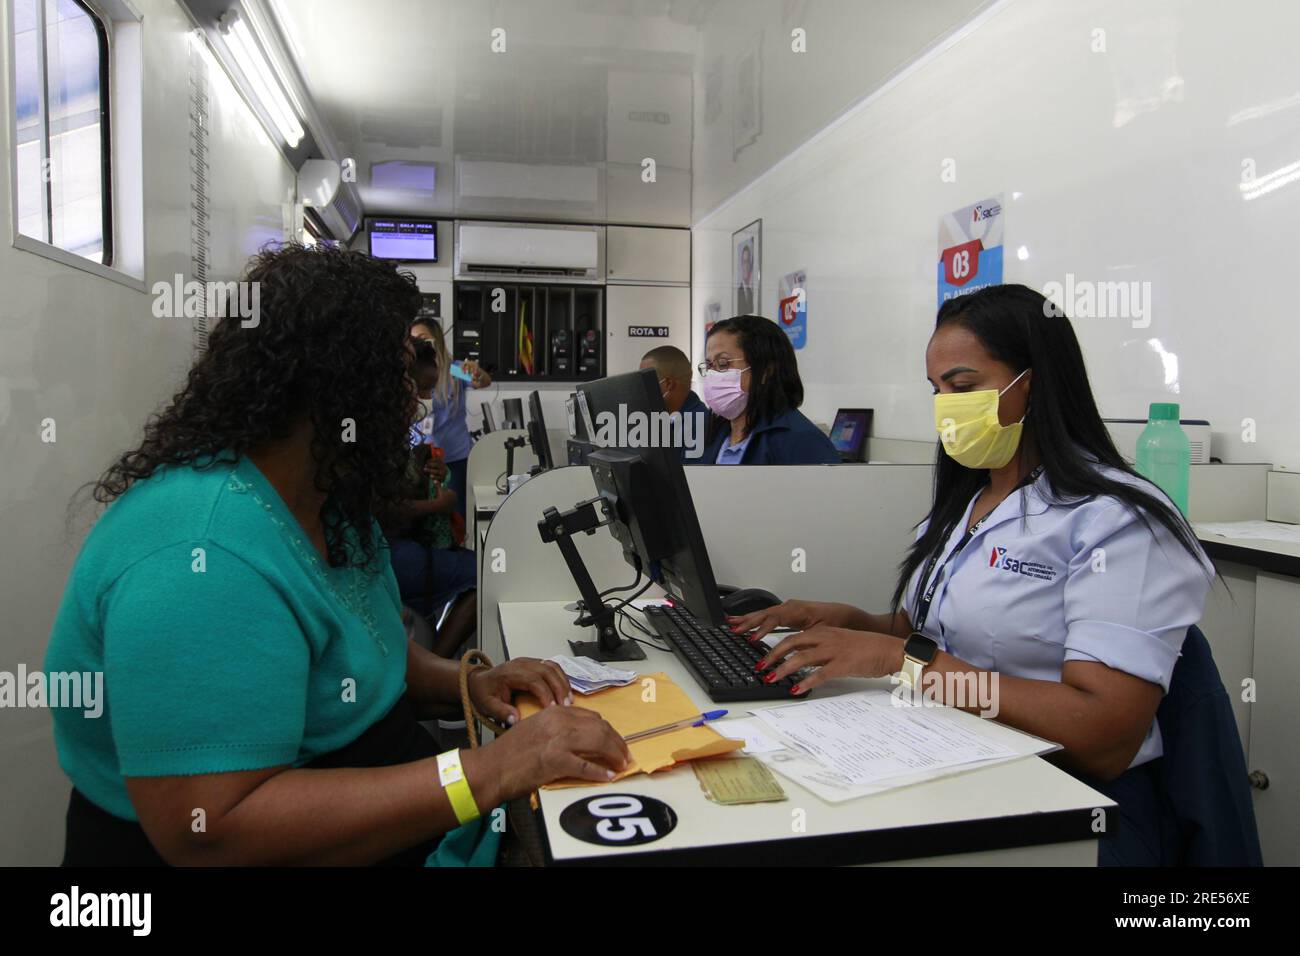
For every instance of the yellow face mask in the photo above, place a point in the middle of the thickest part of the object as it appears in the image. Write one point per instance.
(969, 428)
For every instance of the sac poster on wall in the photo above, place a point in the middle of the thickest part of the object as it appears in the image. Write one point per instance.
(970, 248)
(794, 307)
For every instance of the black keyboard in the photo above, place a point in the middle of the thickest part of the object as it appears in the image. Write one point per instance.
(720, 661)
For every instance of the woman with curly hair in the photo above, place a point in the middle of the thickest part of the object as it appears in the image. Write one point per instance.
(262, 696)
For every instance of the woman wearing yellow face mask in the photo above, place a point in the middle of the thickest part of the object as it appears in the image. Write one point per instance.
(1046, 571)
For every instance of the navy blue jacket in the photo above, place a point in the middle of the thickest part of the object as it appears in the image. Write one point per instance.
(1192, 806)
(694, 404)
(788, 439)
(1203, 771)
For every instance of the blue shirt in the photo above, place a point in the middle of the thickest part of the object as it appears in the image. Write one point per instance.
(447, 425)
(225, 641)
(1042, 583)
(729, 454)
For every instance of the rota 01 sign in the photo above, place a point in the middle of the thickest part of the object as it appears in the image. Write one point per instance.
(618, 819)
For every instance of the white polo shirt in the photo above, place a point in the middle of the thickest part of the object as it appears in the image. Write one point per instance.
(1041, 583)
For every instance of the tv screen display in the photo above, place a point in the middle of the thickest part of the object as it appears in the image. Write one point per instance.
(406, 240)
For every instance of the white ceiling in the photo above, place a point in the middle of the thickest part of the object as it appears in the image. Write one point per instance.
(590, 83)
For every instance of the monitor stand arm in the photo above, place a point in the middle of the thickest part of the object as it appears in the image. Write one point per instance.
(511, 445)
(583, 518)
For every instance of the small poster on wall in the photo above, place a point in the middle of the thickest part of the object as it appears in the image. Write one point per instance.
(970, 249)
(746, 269)
(794, 307)
(712, 316)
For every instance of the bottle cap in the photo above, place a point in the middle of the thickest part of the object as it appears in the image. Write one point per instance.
(1163, 412)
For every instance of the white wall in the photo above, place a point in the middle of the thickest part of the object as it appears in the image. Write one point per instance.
(89, 353)
(1116, 165)
(850, 46)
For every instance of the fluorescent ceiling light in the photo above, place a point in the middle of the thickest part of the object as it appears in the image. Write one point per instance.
(1262, 185)
(265, 86)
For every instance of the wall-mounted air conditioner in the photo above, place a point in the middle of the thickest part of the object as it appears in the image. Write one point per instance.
(530, 252)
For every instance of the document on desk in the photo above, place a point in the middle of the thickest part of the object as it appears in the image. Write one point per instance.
(868, 737)
(1252, 530)
(865, 742)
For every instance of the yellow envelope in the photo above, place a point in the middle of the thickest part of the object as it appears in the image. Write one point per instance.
(640, 706)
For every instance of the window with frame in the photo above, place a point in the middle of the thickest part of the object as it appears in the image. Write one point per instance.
(62, 149)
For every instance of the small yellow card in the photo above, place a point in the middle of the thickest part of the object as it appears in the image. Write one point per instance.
(735, 780)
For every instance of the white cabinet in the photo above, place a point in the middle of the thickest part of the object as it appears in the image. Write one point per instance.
(634, 318)
(640, 254)
(1275, 715)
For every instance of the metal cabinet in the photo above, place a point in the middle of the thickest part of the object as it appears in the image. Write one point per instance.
(640, 318)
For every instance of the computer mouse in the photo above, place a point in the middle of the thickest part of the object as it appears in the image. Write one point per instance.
(748, 600)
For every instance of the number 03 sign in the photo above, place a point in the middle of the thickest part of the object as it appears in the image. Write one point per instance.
(618, 819)
(970, 249)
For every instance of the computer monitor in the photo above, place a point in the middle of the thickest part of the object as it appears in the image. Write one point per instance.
(850, 431)
(403, 240)
(489, 420)
(537, 437)
(513, 413)
(655, 516)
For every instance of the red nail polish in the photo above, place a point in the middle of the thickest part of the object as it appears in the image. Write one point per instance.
(761, 665)
(794, 691)
(769, 678)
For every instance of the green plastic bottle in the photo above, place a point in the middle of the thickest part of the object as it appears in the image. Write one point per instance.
(1164, 455)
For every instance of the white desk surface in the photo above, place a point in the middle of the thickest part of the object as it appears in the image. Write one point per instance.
(1265, 545)
(487, 498)
(1025, 812)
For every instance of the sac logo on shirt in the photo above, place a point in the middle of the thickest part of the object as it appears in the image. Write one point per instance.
(999, 559)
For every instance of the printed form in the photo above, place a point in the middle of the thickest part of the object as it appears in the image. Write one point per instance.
(869, 737)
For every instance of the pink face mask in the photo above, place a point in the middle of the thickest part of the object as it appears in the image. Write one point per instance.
(723, 394)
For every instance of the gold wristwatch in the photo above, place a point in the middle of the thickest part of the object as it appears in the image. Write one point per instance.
(918, 651)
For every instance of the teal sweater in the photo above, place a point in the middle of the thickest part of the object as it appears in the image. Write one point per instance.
(225, 642)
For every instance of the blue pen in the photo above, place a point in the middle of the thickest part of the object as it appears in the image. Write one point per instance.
(697, 721)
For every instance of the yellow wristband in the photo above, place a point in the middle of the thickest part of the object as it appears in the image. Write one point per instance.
(452, 777)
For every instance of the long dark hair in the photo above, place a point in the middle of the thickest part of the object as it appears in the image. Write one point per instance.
(774, 382)
(1019, 327)
(329, 344)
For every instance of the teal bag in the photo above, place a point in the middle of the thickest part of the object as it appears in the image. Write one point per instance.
(474, 844)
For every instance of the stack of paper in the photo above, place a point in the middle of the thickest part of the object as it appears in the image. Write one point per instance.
(867, 742)
(587, 676)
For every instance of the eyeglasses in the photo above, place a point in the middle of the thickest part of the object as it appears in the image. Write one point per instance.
(721, 365)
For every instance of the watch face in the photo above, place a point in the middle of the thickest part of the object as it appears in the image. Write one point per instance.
(920, 647)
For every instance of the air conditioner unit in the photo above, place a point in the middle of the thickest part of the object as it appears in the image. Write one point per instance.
(1125, 432)
(531, 252)
(342, 217)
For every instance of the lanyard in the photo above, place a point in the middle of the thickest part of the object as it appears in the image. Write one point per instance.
(923, 605)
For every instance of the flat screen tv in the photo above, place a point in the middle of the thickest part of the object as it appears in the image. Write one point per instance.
(404, 240)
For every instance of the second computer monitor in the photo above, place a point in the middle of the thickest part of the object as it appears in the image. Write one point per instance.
(512, 413)
(681, 562)
(537, 437)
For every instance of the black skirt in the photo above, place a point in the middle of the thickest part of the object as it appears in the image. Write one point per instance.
(96, 837)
